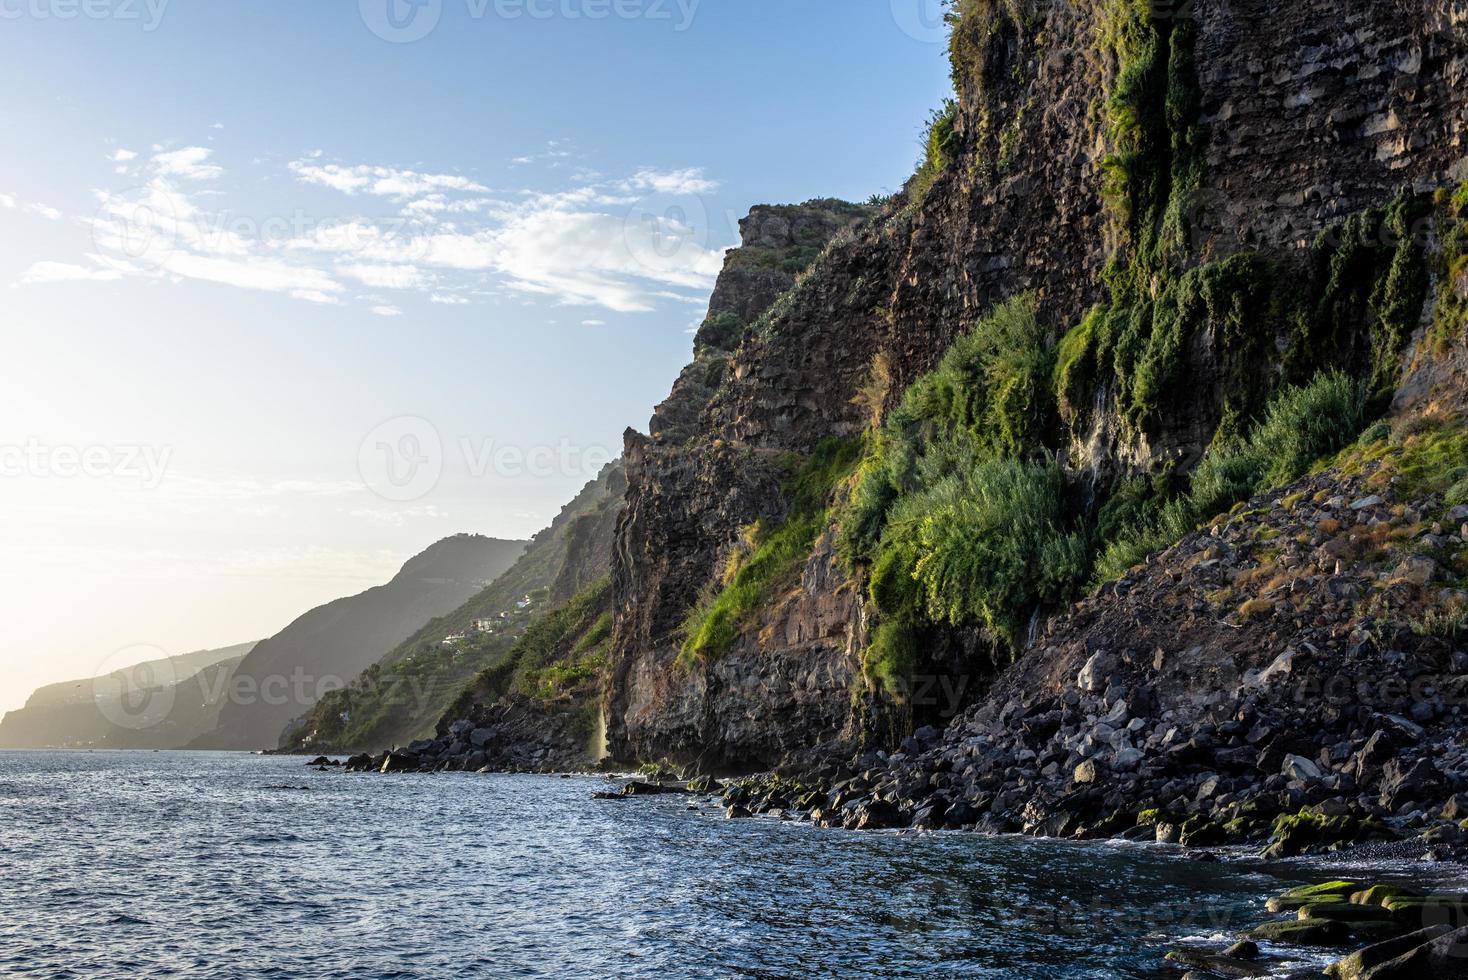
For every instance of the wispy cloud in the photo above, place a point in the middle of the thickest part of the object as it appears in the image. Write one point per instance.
(386, 276)
(399, 517)
(44, 272)
(189, 163)
(435, 237)
(382, 181)
(691, 181)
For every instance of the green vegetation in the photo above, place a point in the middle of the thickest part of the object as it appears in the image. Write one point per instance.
(1301, 426)
(939, 148)
(1373, 266)
(721, 330)
(980, 544)
(959, 516)
(775, 553)
(957, 526)
(559, 654)
(1452, 298)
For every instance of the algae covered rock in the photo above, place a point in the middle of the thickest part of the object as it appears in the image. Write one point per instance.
(1358, 964)
(1298, 932)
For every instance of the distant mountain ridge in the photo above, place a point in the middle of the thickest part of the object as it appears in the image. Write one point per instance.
(157, 704)
(284, 676)
(404, 694)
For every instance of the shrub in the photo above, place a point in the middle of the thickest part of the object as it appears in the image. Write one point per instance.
(1300, 426)
(1305, 424)
(981, 545)
(939, 146)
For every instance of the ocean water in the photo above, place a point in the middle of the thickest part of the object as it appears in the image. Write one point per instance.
(221, 865)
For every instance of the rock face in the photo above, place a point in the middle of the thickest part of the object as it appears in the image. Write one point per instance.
(687, 500)
(1305, 115)
(1250, 684)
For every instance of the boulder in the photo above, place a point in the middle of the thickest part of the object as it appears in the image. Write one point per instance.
(874, 815)
(1126, 759)
(399, 762)
(1300, 768)
(1215, 965)
(1358, 964)
(1407, 782)
(1444, 957)
(1096, 673)
(1303, 932)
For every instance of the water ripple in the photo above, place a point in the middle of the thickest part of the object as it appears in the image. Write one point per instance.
(121, 865)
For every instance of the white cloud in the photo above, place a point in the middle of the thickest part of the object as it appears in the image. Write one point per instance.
(398, 518)
(434, 234)
(593, 323)
(386, 276)
(47, 272)
(381, 181)
(253, 273)
(41, 210)
(190, 163)
(690, 181)
(123, 156)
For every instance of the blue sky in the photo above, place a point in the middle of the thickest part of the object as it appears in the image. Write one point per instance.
(248, 245)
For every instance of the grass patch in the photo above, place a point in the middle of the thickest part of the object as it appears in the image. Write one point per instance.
(776, 555)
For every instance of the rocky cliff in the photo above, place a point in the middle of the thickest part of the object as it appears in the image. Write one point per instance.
(1201, 203)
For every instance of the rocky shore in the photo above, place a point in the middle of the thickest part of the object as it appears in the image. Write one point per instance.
(515, 734)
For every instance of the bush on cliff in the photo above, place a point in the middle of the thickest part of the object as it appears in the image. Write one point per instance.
(1301, 426)
(980, 545)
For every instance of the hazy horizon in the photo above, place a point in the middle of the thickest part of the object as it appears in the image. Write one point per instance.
(287, 311)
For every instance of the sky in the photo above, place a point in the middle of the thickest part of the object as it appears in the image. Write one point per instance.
(291, 289)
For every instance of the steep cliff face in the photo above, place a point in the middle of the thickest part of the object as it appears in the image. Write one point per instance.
(1184, 192)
